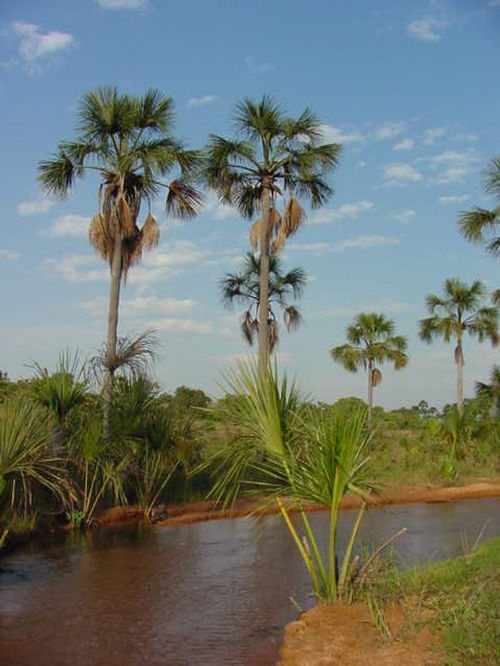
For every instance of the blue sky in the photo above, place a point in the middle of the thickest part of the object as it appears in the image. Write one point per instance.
(407, 86)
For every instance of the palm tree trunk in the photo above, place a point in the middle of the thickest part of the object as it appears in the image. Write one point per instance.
(370, 391)
(114, 300)
(264, 279)
(459, 358)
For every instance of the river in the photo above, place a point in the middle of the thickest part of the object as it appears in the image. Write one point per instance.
(215, 593)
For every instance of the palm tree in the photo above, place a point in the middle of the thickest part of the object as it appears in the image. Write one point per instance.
(272, 156)
(371, 340)
(475, 223)
(457, 312)
(491, 391)
(127, 141)
(244, 288)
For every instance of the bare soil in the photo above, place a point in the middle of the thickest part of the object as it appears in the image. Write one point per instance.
(342, 634)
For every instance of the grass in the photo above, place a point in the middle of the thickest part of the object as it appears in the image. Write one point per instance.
(459, 598)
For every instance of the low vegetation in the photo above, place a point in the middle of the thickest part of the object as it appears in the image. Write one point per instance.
(458, 599)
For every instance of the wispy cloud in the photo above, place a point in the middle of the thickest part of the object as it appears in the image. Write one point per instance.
(332, 134)
(146, 305)
(401, 174)
(451, 167)
(183, 325)
(385, 305)
(405, 216)
(9, 255)
(359, 242)
(123, 4)
(200, 101)
(427, 29)
(35, 45)
(214, 207)
(388, 130)
(38, 207)
(465, 138)
(76, 226)
(169, 260)
(346, 210)
(405, 144)
(432, 135)
(257, 67)
(453, 198)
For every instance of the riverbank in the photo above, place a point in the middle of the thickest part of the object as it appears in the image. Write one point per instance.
(448, 612)
(178, 514)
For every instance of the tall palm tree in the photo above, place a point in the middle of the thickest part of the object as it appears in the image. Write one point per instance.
(459, 311)
(273, 156)
(476, 223)
(127, 141)
(244, 288)
(371, 340)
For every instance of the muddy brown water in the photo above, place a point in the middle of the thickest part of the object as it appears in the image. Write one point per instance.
(207, 594)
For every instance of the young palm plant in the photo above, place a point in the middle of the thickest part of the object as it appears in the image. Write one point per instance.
(459, 311)
(371, 340)
(61, 391)
(282, 451)
(127, 140)
(244, 288)
(272, 156)
(27, 463)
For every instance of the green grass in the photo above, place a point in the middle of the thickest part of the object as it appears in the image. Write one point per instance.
(460, 598)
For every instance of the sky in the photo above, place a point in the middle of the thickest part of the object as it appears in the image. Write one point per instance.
(408, 87)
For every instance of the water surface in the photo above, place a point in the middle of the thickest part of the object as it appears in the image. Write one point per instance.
(207, 594)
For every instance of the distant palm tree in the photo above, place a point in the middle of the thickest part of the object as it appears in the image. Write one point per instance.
(476, 223)
(127, 141)
(272, 156)
(457, 312)
(491, 391)
(244, 288)
(371, 340)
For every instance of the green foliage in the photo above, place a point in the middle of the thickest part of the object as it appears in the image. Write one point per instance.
(317, 455)
(27, 465)
(464, 597)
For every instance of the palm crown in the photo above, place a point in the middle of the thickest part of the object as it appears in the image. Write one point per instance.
(244, 288)
(371, 339)
(477, 224)
(457, 312)
(127, 140)
(273, 156)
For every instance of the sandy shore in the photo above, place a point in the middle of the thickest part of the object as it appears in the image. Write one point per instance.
(178, 514)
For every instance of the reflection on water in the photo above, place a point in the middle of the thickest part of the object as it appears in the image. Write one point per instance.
(209, 594)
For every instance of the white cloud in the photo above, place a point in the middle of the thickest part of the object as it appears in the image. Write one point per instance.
(386, 306)
(401, 173)
(454, 198)
(405, 144)
(35, 45)
(183, 325)
(78, 268)
(363, 242)
(431, 135)
(76, 226)
(257, 67)
(405, 216)
(40, 206)
(345, 244)
(9, 255)
(346, 210)
(332, 134)
(361, 164)
(123, 4)
(213, 206)
(451, 167)
(141, 306)
(200, 101)
(465, 138)
(426, 29)
(388, 130)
